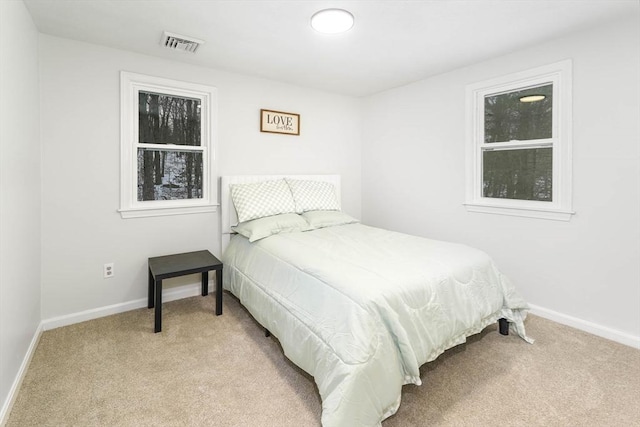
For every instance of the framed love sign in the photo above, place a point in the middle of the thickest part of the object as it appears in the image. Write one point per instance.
(279, 122)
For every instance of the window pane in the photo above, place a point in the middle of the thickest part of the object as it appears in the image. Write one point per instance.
(518, 174)
(169, 175)
(168, 119)
(509, 117)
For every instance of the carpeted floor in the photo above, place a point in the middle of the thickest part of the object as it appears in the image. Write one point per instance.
(207, 370)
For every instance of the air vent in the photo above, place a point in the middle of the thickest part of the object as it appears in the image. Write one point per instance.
(178, 42)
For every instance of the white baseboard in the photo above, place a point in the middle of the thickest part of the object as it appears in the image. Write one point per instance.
(17, 382)
(95, 313)
(584, 325)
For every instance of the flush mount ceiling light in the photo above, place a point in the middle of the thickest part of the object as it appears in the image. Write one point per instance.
(332, 21)
(532, 98)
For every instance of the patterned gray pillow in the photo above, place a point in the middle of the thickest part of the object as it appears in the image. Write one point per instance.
(260, 199)
(313, 195)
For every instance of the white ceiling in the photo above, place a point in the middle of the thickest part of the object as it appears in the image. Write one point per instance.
(392, 43)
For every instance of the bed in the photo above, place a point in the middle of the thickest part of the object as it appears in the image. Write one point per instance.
(358, 308)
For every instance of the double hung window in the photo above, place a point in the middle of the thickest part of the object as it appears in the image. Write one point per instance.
(519, 144)
(166, 147)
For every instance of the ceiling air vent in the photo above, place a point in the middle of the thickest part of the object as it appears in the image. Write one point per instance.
(178, 42)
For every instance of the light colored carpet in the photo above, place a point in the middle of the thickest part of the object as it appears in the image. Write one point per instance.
(207, 370)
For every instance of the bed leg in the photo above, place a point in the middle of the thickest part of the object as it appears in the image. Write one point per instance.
(267, 333)
(503, 326)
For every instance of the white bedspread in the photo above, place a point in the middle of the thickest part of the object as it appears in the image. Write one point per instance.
(361, 308)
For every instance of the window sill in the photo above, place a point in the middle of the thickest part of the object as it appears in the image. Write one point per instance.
(183, 210)
(552, 214)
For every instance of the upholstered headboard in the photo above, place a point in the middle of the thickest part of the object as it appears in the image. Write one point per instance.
(229, 216)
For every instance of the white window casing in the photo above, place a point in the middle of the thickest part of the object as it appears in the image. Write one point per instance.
(130, 85)
(560, 206)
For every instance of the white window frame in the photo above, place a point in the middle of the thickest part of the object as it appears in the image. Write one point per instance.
(130, 206)
(560, 208)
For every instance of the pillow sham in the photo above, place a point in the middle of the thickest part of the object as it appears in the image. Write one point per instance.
(268, 226)
(313, 195)
(321, 219)
(261, 199)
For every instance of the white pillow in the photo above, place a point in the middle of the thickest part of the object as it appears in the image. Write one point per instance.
(268, 226)
(313, 195)
(321, 219)
(260, 199)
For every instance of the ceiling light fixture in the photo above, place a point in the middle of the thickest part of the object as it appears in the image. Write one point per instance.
(332, 21)
(532, 98)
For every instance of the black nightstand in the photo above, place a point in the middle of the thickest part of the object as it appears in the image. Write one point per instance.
(165, 267)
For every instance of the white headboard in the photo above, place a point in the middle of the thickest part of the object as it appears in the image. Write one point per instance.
(229, 216)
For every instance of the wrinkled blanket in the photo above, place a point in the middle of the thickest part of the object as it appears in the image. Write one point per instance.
(361, 308)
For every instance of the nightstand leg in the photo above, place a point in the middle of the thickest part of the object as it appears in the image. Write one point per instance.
(158, 325)
(205, 283)
(151, 291)
(218, 292)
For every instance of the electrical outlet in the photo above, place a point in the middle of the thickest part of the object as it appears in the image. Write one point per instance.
(109, 270)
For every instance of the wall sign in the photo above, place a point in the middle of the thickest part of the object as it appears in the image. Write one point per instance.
(279, 122)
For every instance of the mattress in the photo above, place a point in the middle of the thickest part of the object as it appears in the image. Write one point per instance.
(361, 308)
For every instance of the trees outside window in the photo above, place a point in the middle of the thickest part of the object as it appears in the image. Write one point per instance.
(516, 171)
(169, 121)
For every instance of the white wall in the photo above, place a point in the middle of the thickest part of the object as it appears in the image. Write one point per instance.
(588, 268)
(80, 108)
(20, 196)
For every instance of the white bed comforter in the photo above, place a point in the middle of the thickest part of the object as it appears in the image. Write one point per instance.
(361, 308)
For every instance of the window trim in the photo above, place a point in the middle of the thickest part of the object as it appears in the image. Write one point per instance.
(130, 207)
(560, 208)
